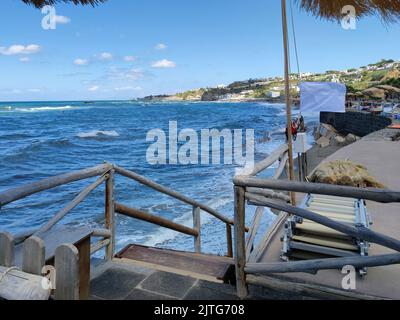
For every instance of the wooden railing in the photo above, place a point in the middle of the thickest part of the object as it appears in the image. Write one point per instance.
(106, 174)
(250, 272)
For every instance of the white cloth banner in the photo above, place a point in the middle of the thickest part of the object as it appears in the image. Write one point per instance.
(322, 96)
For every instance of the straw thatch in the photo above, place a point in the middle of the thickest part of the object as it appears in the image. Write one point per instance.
(346, 173)
(375, 93)
(41, 3)
(387, 10)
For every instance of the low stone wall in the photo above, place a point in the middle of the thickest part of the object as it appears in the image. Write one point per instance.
(358, 123)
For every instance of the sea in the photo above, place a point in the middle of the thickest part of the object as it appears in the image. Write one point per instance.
(43, 139)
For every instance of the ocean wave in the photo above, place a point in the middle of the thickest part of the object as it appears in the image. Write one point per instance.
(39, 109)
(97, 133)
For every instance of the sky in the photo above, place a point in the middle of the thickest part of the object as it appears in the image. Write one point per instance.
(125, 49)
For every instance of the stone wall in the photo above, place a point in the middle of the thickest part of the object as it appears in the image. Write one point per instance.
(358, 123)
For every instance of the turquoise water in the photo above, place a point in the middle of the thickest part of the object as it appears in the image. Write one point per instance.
(41, 139)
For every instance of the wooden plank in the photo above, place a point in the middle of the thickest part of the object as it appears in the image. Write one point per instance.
(110, 213)
(84, 268)
(290, 286)
(240, 245)
(73, 204)
(18, 285)
(197, 227)
(137, 214)
(50, 183)
(33, 259)
(172, 193)
(54, 238)
(253, 231)
(323, 264)
(270, 160)
(321, 249)
(216, 267)
(99, 245)
(67, 275)
(378, 195)
(282, 166)
(229, 242)
(7, 250)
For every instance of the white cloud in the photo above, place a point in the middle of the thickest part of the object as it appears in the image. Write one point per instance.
(62, 19)
(164, 64)
(81, 62)
(17, 49)
(128, 88)
(130, 58)
(25, 59)
(94, 88)
(34, 90)
(106, 56)
(161, 46)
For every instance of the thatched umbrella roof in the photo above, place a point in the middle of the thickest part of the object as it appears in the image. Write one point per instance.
(375, 93)
(388, 10)
(41, 3)
(388, 88)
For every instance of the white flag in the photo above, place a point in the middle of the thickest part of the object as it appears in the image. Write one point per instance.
(322, 96)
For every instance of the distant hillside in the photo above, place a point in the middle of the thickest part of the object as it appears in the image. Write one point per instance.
(384, 72)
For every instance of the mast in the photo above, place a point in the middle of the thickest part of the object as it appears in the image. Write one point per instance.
(288, 98)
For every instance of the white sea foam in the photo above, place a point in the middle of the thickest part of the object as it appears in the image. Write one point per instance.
(162, 235)
(39, 109)
(97, 133)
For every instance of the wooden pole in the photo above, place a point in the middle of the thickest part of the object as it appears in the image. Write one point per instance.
(197, 227)
(110, 213)
(287, 97)
(229, 240)
(240, 243)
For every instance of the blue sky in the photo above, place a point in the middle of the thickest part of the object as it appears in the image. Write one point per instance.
(131, 48)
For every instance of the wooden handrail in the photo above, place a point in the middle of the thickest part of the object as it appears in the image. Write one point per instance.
(270, 160)
(378, 195)
(356, 232)
(145, 216)
(322, 264)
(50, 183)
(75, 202)
(172, 193)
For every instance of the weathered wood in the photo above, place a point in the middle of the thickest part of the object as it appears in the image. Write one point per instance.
(33, 259)
(322, 264)
(358, 232)
(110, 213)
(172, 193)
(23, 235)
(103, 233)
(84, 268)
(229, 242)
(240, 245)
(99, 245)
(270, 160)
(268, 193)
(253, 230)
(73, 204)
(378, 195)
(292, 286)
(282, 165)
(50, 183)
(197, 227)
(18, 285)
(137, 214)
(56, 237)
(7, 249)
(67, 276)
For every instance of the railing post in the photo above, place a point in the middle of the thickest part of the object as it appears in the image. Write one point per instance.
(197, 227)
(240, 242)
(110, 213)
(229, 240)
